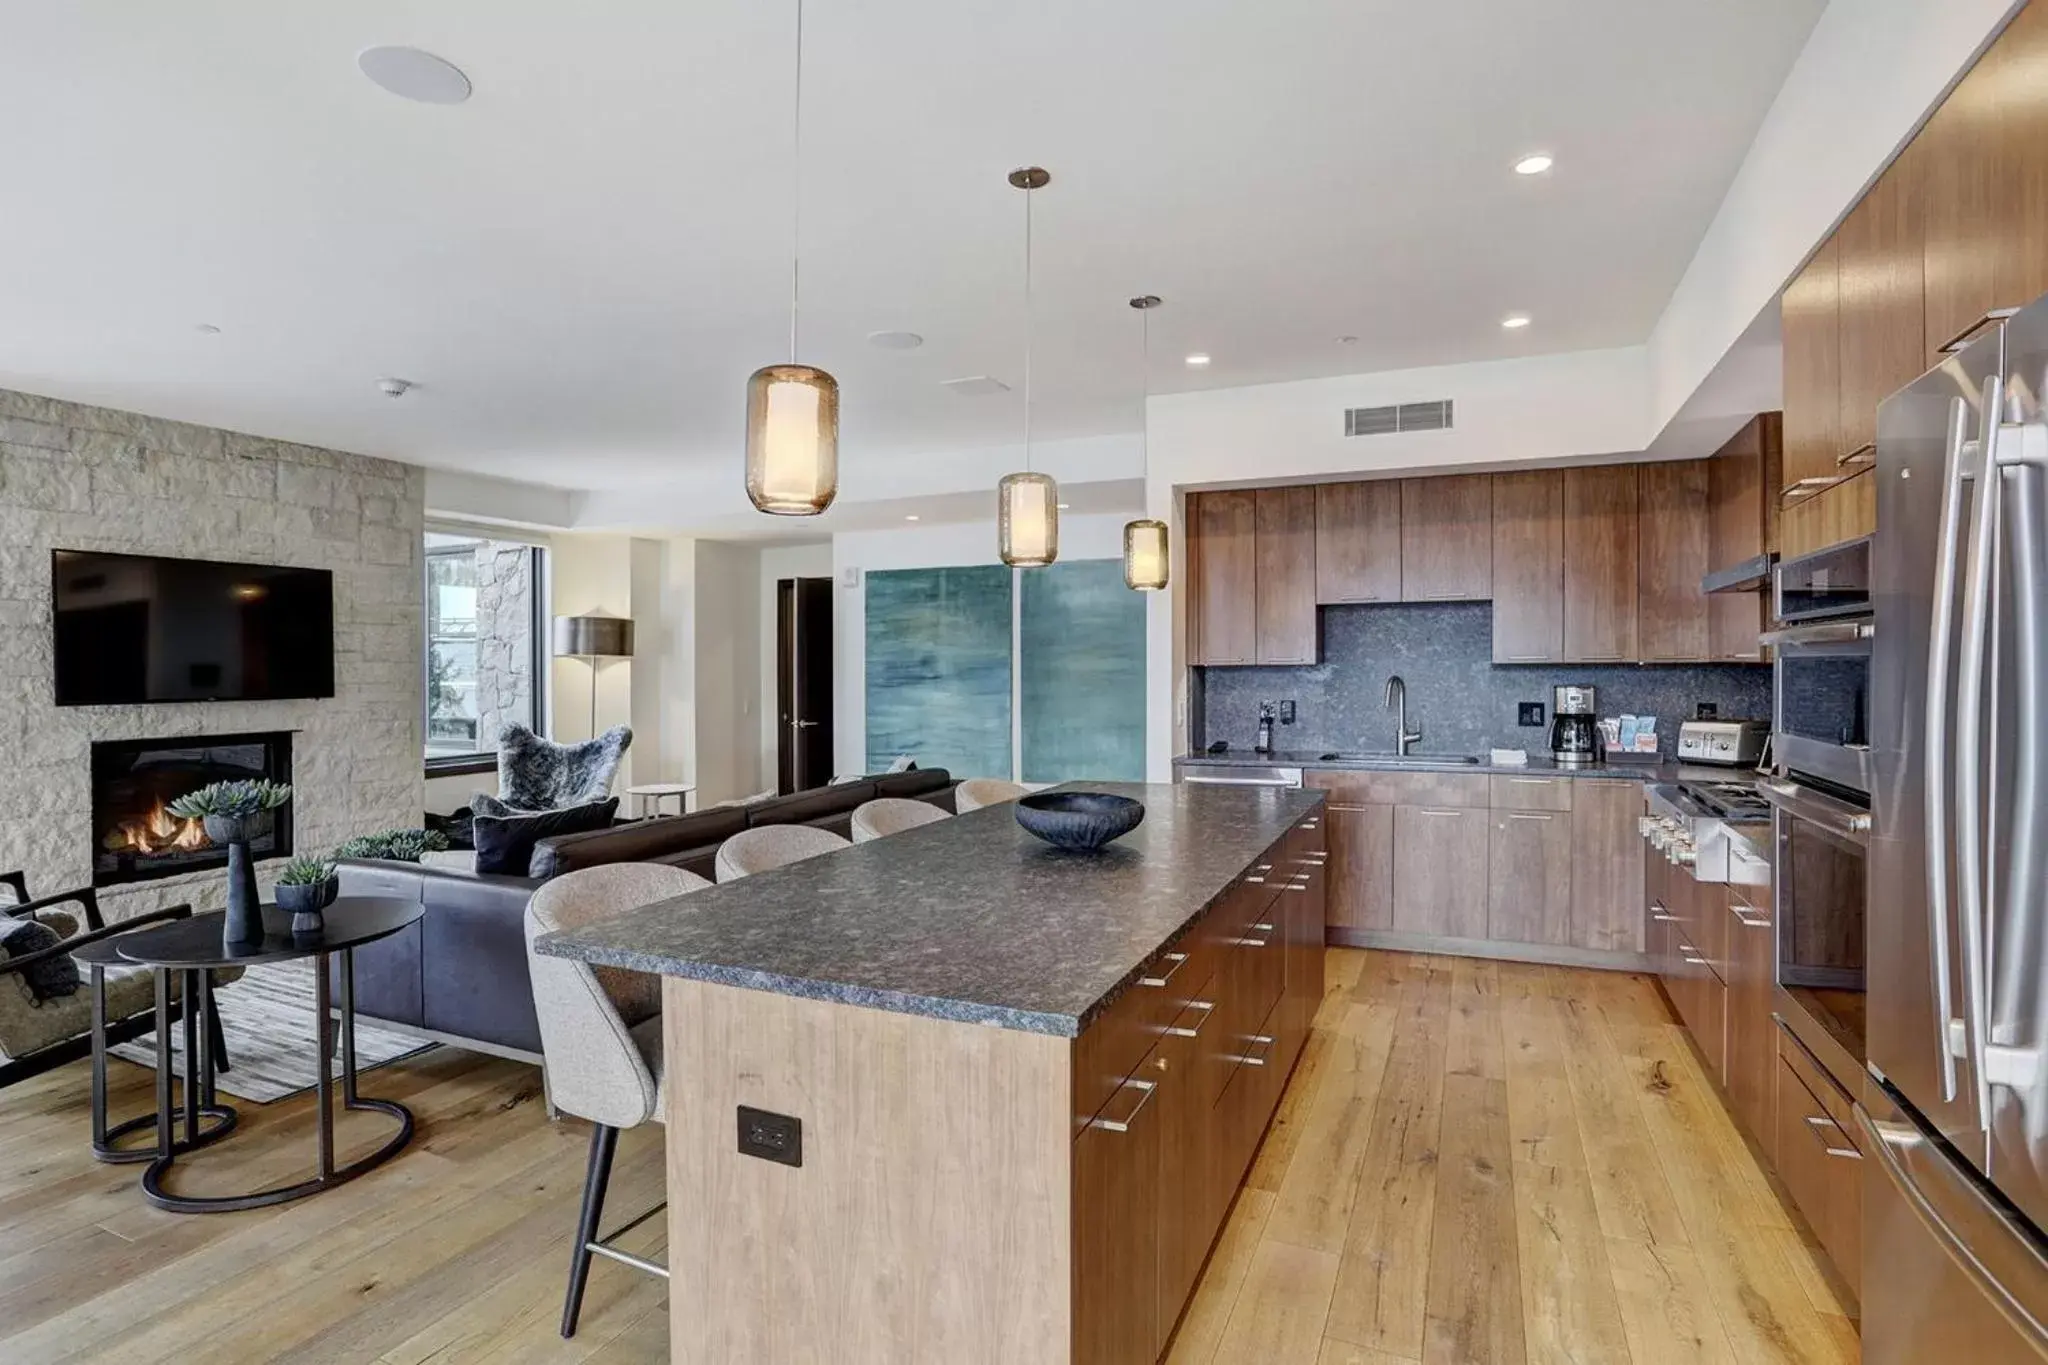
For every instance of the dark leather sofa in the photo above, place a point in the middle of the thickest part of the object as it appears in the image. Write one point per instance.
(459, 974)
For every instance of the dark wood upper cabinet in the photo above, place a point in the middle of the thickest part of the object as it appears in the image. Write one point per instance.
(1673, 534)
(2020, 75)
(1959, 173)
(1600, 554)
(1286, 589)
(1447, 538)
(1742, 488)
(1810, 315)
(1881, 311)
(1223, 577)
(1358, 542)
(1528, 567)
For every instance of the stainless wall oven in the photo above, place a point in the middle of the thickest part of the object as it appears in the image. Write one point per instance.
(1821, 843)
(1821, 704)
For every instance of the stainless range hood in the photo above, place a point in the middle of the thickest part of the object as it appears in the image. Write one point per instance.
(1748, 576)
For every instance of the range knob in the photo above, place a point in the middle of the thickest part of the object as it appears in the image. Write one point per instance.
(1684, 854)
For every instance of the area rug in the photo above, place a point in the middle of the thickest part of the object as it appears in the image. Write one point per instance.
(268, 1020)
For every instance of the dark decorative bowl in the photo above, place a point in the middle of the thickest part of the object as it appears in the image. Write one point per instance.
(1080, 822)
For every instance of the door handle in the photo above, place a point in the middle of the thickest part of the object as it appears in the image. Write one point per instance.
(1145, 1091)
(1980, 574)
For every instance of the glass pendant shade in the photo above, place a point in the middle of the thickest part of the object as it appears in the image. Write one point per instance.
(1145, 555)
(792, 440)
(1028, 520)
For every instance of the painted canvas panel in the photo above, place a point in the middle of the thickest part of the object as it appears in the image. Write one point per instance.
(938, 669)
(1082, 666)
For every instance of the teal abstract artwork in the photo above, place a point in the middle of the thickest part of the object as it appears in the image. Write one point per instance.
(938, 668)
(1082, 673)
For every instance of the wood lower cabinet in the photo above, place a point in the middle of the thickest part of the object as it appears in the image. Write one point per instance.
(1116, 1177)
(1528, 567)
(1600, 563)
(1285, 542)
(1817, 1153)
(1447, 539)
(1674, 514)
(1223, 603)
(1187, 1223)
(1358, 542)
(1361, 885)
(1607, 865)
(1529, 884)
(1440, 870)
(1752, 1032)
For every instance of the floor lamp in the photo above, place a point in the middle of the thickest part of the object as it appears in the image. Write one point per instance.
(593, 639)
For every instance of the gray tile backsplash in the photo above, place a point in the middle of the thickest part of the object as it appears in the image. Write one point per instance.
(1457, 696)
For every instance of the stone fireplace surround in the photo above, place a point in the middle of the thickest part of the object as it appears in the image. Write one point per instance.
(88, 478)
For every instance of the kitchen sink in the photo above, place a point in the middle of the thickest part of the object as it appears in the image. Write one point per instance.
(1398, 760)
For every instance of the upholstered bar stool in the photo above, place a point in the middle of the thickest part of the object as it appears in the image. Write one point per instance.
(886, 815)
(600, 1033)
(767, 847)
(977, 792)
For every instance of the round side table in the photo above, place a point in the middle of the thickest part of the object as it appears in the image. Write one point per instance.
(192, 948)
(200, 1104)
(654, 793)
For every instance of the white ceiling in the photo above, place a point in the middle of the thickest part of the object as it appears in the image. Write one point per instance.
(580, 266)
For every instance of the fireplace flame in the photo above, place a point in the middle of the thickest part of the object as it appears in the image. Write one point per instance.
(158, 832)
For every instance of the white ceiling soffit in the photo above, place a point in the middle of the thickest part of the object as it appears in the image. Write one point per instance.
(580, 264)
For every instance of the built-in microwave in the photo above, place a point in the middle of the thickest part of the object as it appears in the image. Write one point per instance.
(1820, 713)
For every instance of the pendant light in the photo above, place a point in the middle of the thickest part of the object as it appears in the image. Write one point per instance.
(793, 409)
(1145, 551)
(1028, 504)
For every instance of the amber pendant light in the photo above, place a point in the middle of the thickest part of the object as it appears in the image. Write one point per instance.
(793, 409)
(1027, 503)
(1145, 546)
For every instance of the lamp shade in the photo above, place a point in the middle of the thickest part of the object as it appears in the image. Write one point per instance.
(593, 637)
(1145, 559)
(792, 440)
(1028, 520)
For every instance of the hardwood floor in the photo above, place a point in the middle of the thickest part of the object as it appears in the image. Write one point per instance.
(1475, 1162)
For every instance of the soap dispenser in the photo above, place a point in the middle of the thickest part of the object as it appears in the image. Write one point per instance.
(1265, 741)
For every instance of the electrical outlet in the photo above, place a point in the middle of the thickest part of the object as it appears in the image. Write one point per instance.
(1529, 713)
(1706, 710)
(772, 1137)
(1287, 713)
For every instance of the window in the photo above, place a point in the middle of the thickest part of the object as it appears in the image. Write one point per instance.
(484, 642)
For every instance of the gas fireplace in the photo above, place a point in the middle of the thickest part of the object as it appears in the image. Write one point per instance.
(134, 835)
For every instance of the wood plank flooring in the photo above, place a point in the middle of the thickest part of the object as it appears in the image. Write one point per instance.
(1475, 1162)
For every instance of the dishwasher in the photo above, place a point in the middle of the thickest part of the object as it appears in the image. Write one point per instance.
(1221, 776)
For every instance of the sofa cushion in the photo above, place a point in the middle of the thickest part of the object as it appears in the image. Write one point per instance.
(808, 807)
(504, 843)
(52, 976)
(917, 782)
(643, 841)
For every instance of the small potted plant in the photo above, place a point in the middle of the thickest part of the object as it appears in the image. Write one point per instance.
(234, 813)
(305, 888)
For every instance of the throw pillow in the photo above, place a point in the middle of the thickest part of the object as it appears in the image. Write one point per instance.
(483, 803)
(52, 976)
(504, 843)
(538, 774)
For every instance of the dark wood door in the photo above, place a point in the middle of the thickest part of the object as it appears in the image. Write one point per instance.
(1528, 567)
(1810, 317)
(1115, 1206)
(1447, 538)
(1881, 310)
(1358, 542)
(1600, 554)
(1529, 886)
(1185, 1227)
(1286, 597)
(1674, 528)
(1361, 890)
(1223, 577)
(1607, 866)
(1742, 486)
(803, 683)
(1440, 870)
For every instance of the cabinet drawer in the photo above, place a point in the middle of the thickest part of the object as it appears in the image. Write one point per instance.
(1118, 1039)
(1532, 793)
(1820, 1162)
(1350, 787)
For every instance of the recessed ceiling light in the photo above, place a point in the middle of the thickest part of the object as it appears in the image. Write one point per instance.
(395, 387)
(412, 74)
(1198, 360)
(206, 329)
(1513, 321)
(911, 517)
(1535, 164)
(895, 341)
(975, 385)
(1347, 340)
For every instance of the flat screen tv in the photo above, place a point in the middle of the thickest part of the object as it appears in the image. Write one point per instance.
(137, 628)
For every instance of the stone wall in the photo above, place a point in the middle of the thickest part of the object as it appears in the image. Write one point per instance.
(84, 478)
(504, 632)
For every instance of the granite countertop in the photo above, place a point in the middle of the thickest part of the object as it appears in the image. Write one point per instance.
(1642, 770)
(969, 919)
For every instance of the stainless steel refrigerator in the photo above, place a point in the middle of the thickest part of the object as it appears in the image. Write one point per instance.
(1955, 1117)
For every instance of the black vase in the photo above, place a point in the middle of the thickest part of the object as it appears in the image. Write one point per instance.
(244, 923)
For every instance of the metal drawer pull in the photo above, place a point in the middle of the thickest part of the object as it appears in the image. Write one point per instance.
(1695, 961)
(1205, 1006)
(1431, 810)
(1532, 781)
(1123, 1125)
(1178, 960)
(1864, 454)
(1663, 916)
(1257, 1040)
(1526, 815)
(1822, 1125)
(1249, 942)
(1254, 881)
(1756, 919)
(1260, 928)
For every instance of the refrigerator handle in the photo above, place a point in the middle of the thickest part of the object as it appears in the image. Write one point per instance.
(1934, 734)
(1979, 571)
(1896, 1144)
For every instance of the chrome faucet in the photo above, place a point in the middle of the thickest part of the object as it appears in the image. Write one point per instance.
(1397, 696)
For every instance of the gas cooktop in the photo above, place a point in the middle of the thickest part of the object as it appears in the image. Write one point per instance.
(1727, 800)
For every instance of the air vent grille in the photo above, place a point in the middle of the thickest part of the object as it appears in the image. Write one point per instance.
(1434, 415)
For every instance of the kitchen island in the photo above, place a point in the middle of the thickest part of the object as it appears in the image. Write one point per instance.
(1025, 1084)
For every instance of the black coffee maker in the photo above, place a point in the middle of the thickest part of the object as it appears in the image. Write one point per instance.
(1574, 729)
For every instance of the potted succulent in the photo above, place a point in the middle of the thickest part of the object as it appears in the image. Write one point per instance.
(305, 888)
(234, 813)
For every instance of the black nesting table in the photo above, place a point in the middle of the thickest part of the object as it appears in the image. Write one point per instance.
(193, 948)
